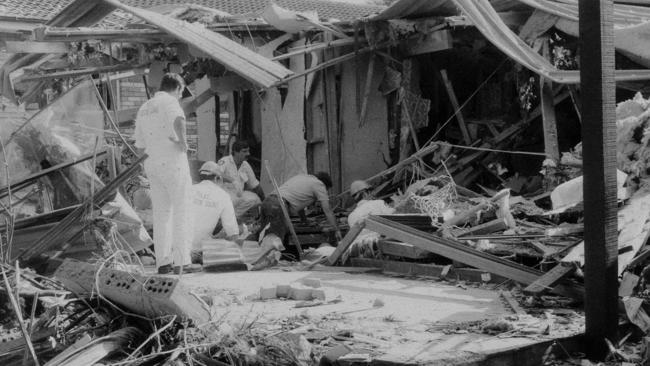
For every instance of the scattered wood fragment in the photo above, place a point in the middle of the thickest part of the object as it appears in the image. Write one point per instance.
(550, 279)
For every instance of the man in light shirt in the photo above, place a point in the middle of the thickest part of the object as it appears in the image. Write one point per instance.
(210, 203)
(296, 194)
(160, 132)
(239, 179)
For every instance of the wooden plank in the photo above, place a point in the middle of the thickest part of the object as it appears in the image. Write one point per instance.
(425, 269)
(456, 106)
(366, 90)
(345, 243)
(467, 255)
(484, 228)
(404, 250)
(333, 124)
(552, 277)
(61, 232)
(36, 47)
(76, 73)
(62, 34)
(285, 213)
(512, 302)
(431, 41)
(549, 121)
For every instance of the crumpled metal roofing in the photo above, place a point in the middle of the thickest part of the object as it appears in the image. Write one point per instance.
(488, 22)
(484, 15)
(248, 64)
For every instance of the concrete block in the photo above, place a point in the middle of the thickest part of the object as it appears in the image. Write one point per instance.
(300, 293)
(152, 296)
(283, 290)
(267, 293)
(318, 294)
(311, 282)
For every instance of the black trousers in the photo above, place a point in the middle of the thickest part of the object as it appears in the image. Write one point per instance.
(272, 213)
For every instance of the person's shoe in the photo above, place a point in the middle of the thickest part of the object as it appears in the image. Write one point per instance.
(188, 268)
(165, 269)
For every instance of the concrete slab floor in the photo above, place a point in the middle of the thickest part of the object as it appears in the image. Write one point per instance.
(418, 322)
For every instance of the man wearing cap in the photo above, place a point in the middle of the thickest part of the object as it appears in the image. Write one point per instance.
(360, 190)
(211, 204)
(239, 179)
(160, 132)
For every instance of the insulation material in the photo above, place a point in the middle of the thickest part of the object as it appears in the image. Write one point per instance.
(365, 147)
(283, 128)
(569, 194)
(633, 228)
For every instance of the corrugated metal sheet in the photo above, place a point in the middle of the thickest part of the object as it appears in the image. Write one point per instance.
(488, 22)
(250, 65)
(417, 9)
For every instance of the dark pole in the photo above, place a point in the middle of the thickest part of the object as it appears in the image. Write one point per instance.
(598, 90)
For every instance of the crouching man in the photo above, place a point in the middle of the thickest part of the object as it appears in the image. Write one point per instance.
(239, 179)
(296, 194)
(210, 203)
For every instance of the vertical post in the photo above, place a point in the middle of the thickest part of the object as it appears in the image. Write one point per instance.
(599, 151)
(332, 116)
(547, 106)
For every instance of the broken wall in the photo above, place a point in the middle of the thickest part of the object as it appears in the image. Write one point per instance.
(364, 146)
(283, 128)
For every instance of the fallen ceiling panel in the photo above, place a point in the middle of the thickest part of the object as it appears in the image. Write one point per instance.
(250, 65)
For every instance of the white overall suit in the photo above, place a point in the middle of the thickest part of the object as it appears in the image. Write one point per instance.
(169, 175)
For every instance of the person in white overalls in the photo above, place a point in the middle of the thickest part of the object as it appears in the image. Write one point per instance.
(161, 133)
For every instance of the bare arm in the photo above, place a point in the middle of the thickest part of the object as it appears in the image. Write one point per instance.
(331, 219)
(181, 135)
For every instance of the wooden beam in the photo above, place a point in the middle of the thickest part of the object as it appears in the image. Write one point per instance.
(366, 90)
(464, 254)
(550, 279)
(456, 106)
(76, 73)
(598, 100)
(332, 119)
(345, 244)
(430, 42)
(549, 121)
(60, 34)
(316, 47)
(4, 191)
(60, 233)
(36, 47)
(403, 250)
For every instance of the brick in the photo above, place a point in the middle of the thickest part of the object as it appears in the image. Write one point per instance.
(283, 290)
(318, 294)
(267, 293)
